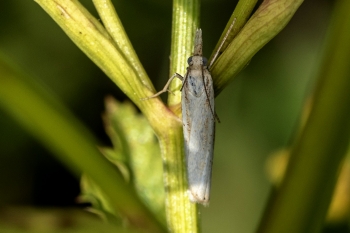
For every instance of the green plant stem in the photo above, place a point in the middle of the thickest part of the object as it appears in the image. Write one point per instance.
(110, 51)
(91, 37)
(116, 30)
(52, 124)
(110, 54)
(181, 213)
(301, 202)
(241, 13)
(184, 24)
(270, 18)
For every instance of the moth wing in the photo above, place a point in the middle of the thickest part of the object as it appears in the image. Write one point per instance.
(199, 133)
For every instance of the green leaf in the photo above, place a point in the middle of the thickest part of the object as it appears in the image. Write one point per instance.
(134, 139)
(101, 203)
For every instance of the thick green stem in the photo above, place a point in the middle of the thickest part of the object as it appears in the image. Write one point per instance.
(181, 213)
(301, 202)
(185, 23)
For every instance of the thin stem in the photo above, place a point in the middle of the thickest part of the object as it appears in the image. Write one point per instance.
(116, 30)
(240, 15)
(270, 18)
(91, 37)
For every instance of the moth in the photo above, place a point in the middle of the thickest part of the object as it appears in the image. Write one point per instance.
(198, 119)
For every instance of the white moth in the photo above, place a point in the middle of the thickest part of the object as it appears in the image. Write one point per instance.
(198, 119)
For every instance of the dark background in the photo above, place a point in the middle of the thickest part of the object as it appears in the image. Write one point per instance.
(259, 110)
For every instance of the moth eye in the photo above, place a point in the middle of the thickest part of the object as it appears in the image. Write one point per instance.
(205, 61)
(189, 60)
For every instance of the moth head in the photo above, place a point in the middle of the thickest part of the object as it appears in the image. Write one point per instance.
(204, 61)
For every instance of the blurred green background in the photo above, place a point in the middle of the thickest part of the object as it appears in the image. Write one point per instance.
(259, 111)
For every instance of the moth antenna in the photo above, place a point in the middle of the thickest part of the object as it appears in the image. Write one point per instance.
(222, 43)
(206, 93)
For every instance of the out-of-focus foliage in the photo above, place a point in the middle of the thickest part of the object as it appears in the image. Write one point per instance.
(135, 153)
(53, 220)
(339, 210)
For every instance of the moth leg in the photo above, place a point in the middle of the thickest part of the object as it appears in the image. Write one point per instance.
(165, 89)
(184, 79)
